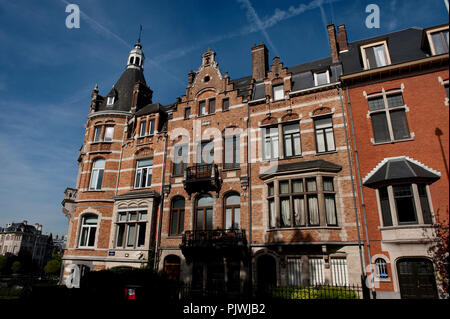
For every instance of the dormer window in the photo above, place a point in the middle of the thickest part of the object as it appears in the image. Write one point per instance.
(278, 92)
(375, 55)
(438, 39)
(321, 78)
(110, 100)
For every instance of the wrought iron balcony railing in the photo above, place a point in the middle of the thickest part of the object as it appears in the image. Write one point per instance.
(202, 177)
(217, 237)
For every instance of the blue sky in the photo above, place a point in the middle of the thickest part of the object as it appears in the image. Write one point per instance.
(47, 72)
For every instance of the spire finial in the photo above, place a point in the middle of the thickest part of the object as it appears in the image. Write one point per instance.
(140, 32)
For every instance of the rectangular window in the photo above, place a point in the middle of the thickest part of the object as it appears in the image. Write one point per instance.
(339, 272)
(316, 274)
(330, 203)
(321, 78)
(97, 133)
(294, 268)
(388, 116)
(180, 159)
(143, 128)
(225, 104)
(131, 229)
(404, 203)
(440, 42)
(232, 154)
(109, 133)
(424, 204)
(385, 207)
(205, 153)
(144, 173)
(212, 106)
(110, 100)
(291, 136)
(187, 112)
(270, 143)
(278, 92)
(151, 129)
(376, 56)
(202, 107)
(324, 135)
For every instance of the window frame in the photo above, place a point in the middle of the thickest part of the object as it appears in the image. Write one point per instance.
(137, 223)
(224, 109)
(316, 77)
(387, 111)
(97, 134)
(266, 137)
(319, 193)
(98, 174)
(430, 39)
(182, 165)
(274, 92)
(371, 45)
(292, 135)
(316, 130)
(84, 226)
(148, 172)
(200, 113)
(106, 138)
(110, 100)
(416, 199)
(235, 152)
(233, 211)
(186, 111)
(180, 212)
(381, 264)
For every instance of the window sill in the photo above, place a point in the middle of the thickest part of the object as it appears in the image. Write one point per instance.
(101, 142)
(291, 157)
(325, 153)
(231, 169)
(87, 248)
(206, 115)
(383, 279)
(409, 226)
(95, 191)
(304, 228)
(392, 142)
(174, 236)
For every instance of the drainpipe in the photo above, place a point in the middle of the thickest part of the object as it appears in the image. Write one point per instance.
(363, 205)
(121, 154)
(161, 206)
(249, 187)
(347, 142)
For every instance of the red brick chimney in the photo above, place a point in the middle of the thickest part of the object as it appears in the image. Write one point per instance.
(260, 61)
(341, 38)
(333, 43)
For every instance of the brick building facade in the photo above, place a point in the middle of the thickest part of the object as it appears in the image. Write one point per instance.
(238, 183)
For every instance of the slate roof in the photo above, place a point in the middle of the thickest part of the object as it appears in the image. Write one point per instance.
(21, 227)
(123, 91)
(398, 170)
(314, 165)
(403, 46)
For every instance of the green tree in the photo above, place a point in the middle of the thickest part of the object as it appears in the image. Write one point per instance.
(52, 267)
(16, 266)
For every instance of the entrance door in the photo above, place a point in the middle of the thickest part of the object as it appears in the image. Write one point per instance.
(266, 272)
(416, 279)
(172, 267)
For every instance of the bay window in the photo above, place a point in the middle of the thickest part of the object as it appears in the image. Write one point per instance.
(131, 228)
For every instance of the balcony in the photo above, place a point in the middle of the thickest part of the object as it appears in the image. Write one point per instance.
(202, 177)
(207, 243)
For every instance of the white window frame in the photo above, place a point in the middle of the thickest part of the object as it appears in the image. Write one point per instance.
(316, 77)
(278, 92)
(110, 100)
(375, 44)
(126, 224)
(142, 128)
(95, 175)
(109, 133)
(149, 172)
(387, 111)
(326, 133)
(88, 229)
(274, 139)
(97, 137)
(430, 40)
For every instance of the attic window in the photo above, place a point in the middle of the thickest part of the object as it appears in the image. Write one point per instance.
(206, 78)
(375, 55)
(110, 100)
(321, 78)
(438, 39)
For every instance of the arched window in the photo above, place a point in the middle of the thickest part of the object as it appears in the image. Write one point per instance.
(204, 212)
(88, 230)
(177, 216)
(232, 211)
(97, 174)
(138, 60)
(132, 60)
(381, 268)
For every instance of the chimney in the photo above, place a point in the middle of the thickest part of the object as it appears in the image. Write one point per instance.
(333, 44)
(260, 61)
(341, 38)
